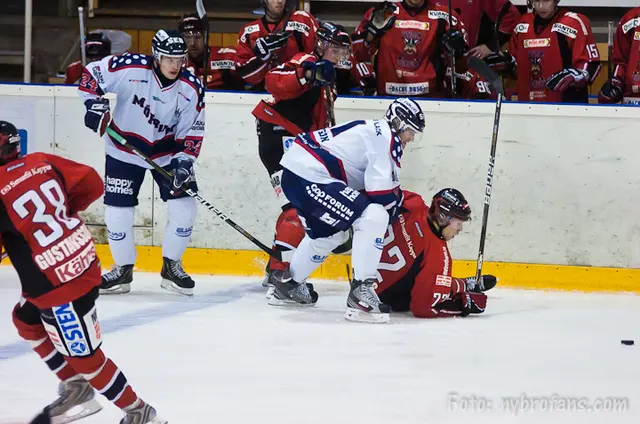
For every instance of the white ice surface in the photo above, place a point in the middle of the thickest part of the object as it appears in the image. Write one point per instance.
(225, 356)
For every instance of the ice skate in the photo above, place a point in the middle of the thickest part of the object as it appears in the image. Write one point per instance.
(175, 279)
(76, 401)
(286, 291)
(144, 414)
(364, 305)
(118, 280)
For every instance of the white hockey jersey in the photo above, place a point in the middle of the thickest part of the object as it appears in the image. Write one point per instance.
(161, 122)
(363, 154)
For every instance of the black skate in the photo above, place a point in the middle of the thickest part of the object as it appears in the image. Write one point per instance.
(76, 401)
(286, 291)
(364, 305)
(487, 282)
(175, 279)
(118, 280)
(143, 414)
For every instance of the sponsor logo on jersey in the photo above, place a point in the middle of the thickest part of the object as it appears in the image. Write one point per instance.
(636, 35)
(441, 14)
(64, 249)
(116, 236)
(350, 193)
(445, 256)
(249, 30)
(76, 266)
(379, 243)
(97, 74)
(198, 126)
(630, 24)
(318, 258)
(443, 280)
(407, 237)
(16, 166)
(322, 135)
(158, 99)
(287, 141)
(421, 26)
(24, 177)
(537, 42)
(180, 93)
(119, 186)
(298, 26)
(152, 120)
(68, 322)
(521, 28)
(183, 231)
(419, 230)
(564, 29)
(216, 65)
(329, 202)
(139, 81)
(397, 88)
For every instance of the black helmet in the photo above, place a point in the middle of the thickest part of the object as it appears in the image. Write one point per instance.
(9, 142)
(97, 45)
(447, 204)
(334, 34)
(191, 24)
(168, 43)
(405, 113)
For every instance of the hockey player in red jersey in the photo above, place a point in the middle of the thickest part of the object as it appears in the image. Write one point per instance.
(221, 72)
(624, 84)
(97, 46)
(411, 42)
(266, 43)
(55, 258)
(553, 53)
(303, 89)
(415, 268)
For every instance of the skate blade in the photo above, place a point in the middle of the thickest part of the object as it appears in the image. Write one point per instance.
(78, 412)
(119, 289)
(269, 293)
(173, 287)
(275, 301)
(266, 283)
(357, 315)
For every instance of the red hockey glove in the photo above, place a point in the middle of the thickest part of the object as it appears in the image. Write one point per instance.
(472, 303)
(568, 77)
(611, 92)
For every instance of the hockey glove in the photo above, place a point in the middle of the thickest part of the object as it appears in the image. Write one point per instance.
(98, 115)
(471, 303)
(487, 282)
(455, 43)
(502, 62)
(266, 45)
(381, 19)
(321, 72)
(611, 92)
(183, 172)
(568, 77)
(366, 77)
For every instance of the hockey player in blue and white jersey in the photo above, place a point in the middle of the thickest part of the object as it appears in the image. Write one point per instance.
(160, 110)
(342, 177)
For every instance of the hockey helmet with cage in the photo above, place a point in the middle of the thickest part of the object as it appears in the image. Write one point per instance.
(191, 25)
(330, 35)
(97, 45)
(168, 43)
(406, 114)
(446, 205)
(9, 142)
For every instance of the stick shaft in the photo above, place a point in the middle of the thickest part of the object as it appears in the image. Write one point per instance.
(83, 50)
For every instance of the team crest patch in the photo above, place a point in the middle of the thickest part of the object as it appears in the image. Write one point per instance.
(636, 35)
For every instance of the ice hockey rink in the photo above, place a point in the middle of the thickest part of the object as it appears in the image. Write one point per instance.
(225, 356)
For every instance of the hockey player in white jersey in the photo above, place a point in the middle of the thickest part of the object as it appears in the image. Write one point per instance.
(342, 177)
(160, 110)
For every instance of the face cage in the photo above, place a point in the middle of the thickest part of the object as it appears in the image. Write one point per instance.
(446, 220)
(342, 53)
(400, 126)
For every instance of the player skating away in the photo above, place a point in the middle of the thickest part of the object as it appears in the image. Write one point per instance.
(160, 110)
(553, 53)
(624, 84)
(55, 258)
(415, 268)
(342, 177)
(303, 89)
(411, 42)
(97, 46)
(266, 43)
(221, 63)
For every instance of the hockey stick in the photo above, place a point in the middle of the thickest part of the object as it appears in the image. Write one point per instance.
(202, 13)
(4, 256)
(193, 194)
(453, 56)
(610, 50)
(481, 68)
(83, 50)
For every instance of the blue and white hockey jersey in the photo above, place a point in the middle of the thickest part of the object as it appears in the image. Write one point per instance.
(161, 122)
(363, 154)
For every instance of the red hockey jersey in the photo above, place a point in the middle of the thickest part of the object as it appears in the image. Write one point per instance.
(48, 244)
(415, 264)
(626, 55)
(74, 73)
(542, 48)
(221, 74)
(409, 58)
(471, 12)
(253, 70)
(299, 105)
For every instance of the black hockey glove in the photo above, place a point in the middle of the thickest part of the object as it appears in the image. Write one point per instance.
(568, 77)
(322, 72)
(183, 172)
(487, 282)
(612, 91)
(98, 115)
(381, 19)
(266, 45)
(501, 63)
(455, 43)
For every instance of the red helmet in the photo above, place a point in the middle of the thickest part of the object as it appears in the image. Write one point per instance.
(9, 142)
(447, 204)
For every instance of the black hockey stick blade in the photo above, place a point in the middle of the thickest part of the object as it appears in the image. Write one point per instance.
(115, 136)
(481, 67)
